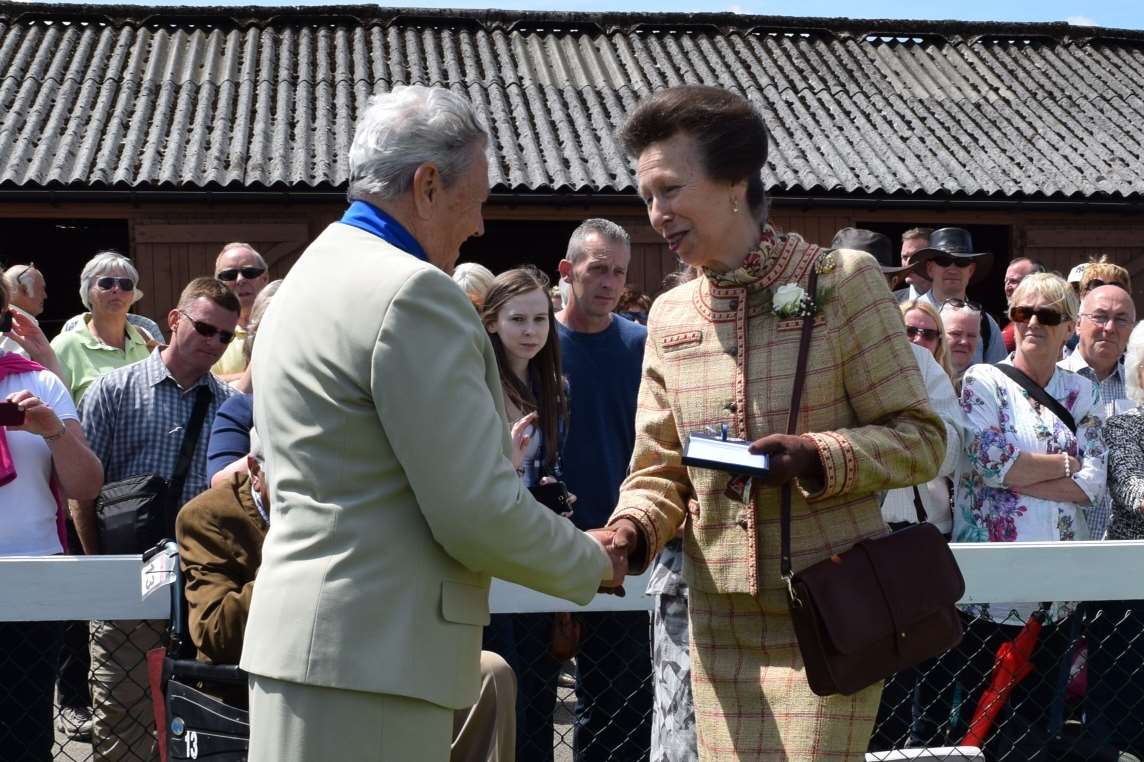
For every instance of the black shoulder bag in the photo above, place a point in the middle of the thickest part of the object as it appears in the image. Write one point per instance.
(135, 513)
(1038, 393)
(882, 606)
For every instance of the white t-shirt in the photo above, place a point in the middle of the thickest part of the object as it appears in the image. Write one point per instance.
(26, 503)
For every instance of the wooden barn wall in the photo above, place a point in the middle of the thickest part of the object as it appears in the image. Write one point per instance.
(174, 242)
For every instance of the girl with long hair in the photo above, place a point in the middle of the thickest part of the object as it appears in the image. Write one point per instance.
(518, 315)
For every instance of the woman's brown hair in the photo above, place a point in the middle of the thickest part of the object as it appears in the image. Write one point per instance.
(544, 392)
(730, 133)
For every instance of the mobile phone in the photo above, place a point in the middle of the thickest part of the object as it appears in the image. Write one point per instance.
(11, 414)
(6, 321)
(554, 495)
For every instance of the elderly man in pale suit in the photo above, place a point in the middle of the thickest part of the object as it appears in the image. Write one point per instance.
(393, 494)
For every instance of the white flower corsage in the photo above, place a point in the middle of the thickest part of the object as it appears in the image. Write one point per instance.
(791, 300)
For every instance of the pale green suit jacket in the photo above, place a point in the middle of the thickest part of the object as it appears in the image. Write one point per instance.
(393, 500)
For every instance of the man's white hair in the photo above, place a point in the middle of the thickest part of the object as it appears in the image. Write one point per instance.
(401, 130)
(107, 263)
(1133, 356)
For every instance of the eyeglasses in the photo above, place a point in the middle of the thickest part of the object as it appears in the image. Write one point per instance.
(249, 273)
(24, 272)
(929, 334)
(207, 330)
(1103, 318)
(959, 304)
(107, 283)
(1044, 315)
(945, 260)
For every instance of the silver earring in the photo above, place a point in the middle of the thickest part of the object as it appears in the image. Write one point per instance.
(734, 206)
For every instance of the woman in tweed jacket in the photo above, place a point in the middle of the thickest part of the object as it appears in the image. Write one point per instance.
(721, 350)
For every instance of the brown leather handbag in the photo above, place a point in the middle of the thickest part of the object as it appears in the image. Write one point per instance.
(885, 605)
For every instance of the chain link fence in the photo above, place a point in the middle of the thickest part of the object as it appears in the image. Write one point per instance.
(1078, 692)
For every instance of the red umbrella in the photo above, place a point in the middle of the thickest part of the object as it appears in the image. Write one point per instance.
(1010, 667)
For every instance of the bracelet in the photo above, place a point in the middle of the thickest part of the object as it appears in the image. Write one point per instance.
(53, 437)
(1068, 466)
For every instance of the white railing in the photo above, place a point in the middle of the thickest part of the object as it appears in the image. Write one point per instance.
(108, 587)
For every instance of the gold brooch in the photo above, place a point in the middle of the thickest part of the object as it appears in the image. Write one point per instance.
(826, 263)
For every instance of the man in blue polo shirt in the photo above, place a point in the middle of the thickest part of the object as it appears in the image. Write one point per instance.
(602, 354)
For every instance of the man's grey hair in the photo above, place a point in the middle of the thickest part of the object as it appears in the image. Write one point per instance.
(404, 129)
(107, 263)
(240, 245)
(604, 228)
(1133, 357)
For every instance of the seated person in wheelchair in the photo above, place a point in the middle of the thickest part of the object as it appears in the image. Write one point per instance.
(220, 534)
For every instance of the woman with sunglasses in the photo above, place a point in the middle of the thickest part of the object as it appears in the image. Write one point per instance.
(1025, 477)
(103, 338)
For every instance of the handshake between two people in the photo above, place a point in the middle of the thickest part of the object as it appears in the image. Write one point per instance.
(791, 457)
(622, 541)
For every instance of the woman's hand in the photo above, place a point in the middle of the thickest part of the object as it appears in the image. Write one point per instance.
(29, 336)
(521, 432)
(38, 417)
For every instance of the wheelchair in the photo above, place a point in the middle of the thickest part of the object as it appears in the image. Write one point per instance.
(192, 722)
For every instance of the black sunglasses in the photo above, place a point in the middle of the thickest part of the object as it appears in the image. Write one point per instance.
(945, 260)
(107, 283)
(249, 273)
(926, 333)
(207, 330)
(958, 304)
(1044, 315)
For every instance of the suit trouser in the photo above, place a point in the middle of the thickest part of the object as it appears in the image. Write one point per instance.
(291, 722)
(486, 731)
(123, 726)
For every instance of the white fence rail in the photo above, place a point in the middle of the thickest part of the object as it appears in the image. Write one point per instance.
(108, 587)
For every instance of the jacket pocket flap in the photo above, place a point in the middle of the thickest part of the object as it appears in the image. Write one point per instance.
(680, 340)
(893, 582)
(464, 604)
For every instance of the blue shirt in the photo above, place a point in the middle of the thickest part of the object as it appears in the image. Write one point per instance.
(603, 371)
(230, 433)
(369, 218)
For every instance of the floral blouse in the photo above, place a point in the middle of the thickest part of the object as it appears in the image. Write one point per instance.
(1002, 421)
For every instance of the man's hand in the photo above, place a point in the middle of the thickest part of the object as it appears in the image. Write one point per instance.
(791, 457)
(618, 555)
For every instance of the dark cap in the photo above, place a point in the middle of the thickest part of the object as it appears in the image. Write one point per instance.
(875, 244)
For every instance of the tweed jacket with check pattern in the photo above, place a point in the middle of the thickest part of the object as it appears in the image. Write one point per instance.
(717, 354)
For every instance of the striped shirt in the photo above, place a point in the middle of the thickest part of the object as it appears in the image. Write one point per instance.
(1113, 395)
(134, 418)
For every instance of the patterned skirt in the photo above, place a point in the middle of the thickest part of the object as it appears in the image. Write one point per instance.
(752, 701)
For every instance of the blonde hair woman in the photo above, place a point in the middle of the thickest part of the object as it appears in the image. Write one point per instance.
(924, 328)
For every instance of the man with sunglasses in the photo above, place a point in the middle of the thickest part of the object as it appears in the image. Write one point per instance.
(951, 264)
(243, 271)
(20, 331)
(135, 418)
(1107, 316)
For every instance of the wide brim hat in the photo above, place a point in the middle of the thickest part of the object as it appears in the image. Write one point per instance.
(954, 242)
(875, 244)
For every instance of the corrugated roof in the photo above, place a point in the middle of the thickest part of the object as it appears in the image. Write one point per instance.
(266, 98)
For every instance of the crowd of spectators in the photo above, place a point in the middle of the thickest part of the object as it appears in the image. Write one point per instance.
(1038, 411)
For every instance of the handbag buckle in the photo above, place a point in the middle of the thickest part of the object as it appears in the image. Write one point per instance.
(795, 601)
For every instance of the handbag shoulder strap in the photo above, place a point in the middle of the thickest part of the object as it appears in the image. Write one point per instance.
(1038, 393)
(792, 424)
(191, 433)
